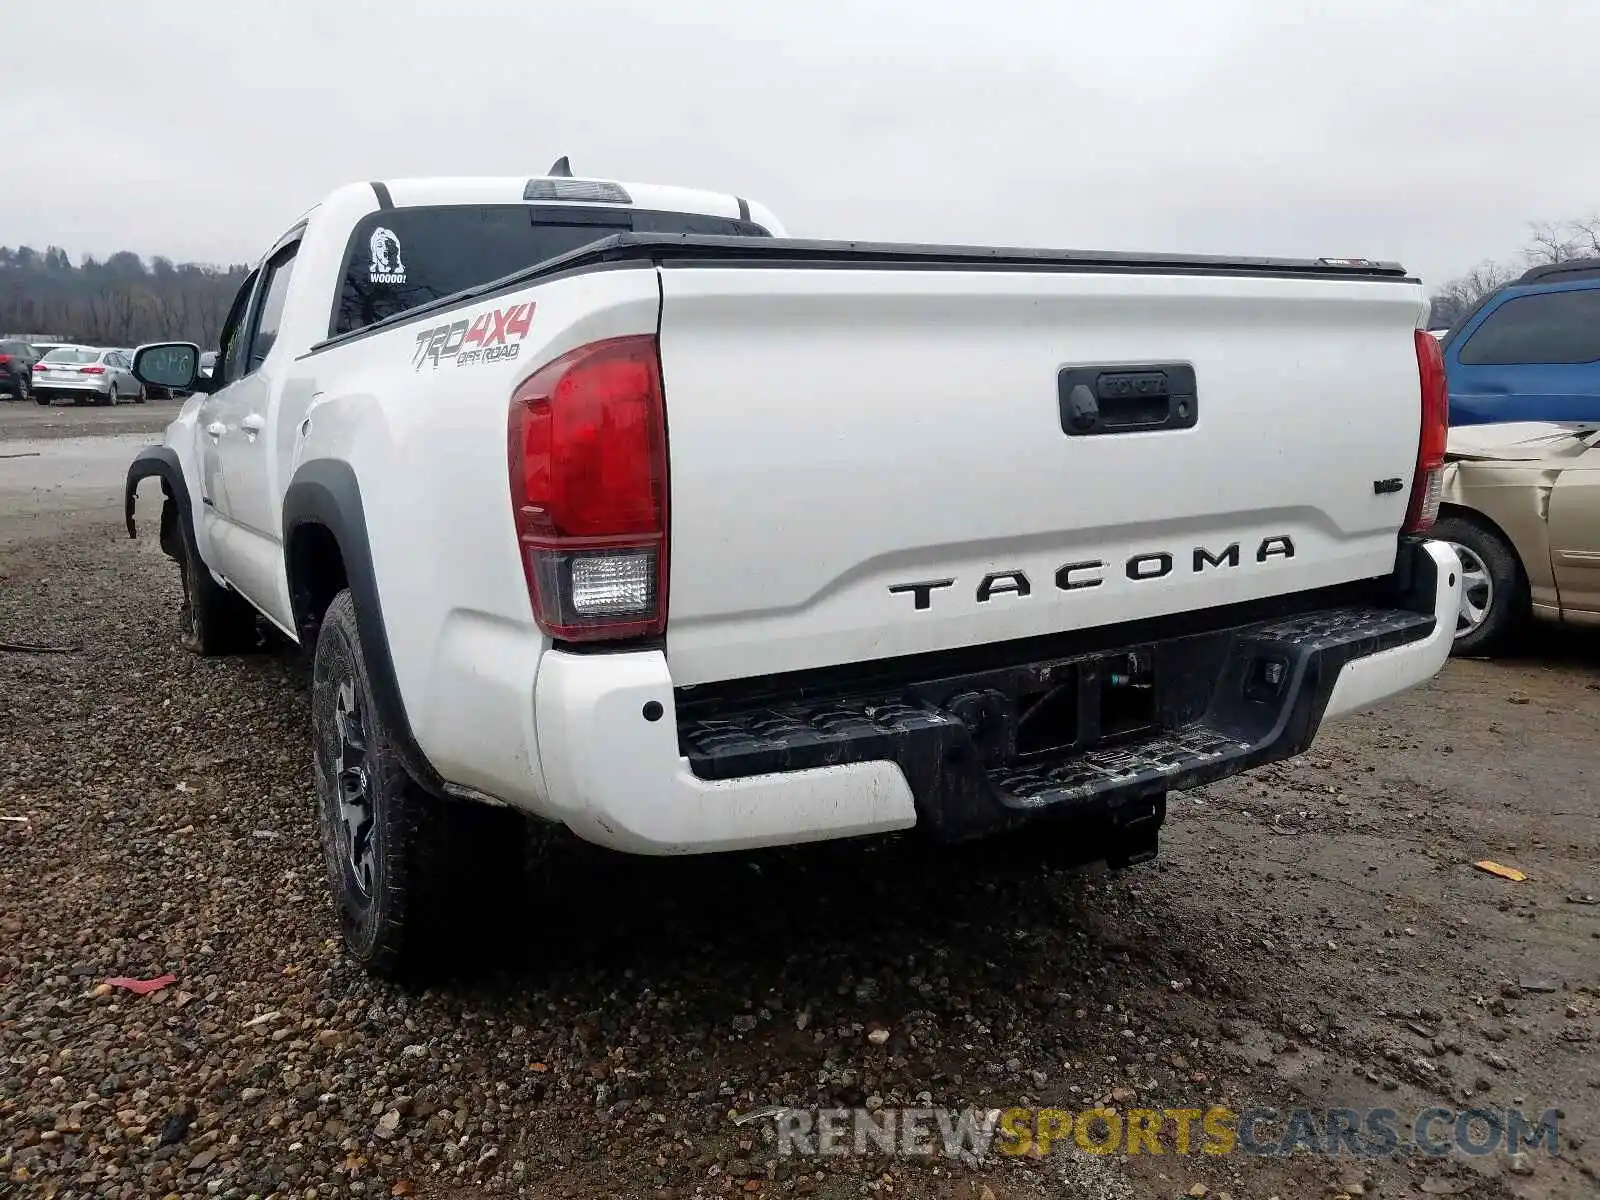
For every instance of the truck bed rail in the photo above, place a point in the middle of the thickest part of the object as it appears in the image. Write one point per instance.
(693, 250)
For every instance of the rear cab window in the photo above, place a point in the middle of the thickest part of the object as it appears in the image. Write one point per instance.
(401, 258)
(1559, 327)
(71, 356)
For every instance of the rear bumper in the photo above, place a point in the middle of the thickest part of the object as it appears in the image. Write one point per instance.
(617, 778)
(1114, 727)
(55, 388)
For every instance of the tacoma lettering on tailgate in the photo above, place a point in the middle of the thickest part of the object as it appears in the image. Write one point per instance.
(1074, 576)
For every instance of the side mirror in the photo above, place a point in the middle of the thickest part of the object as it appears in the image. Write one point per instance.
(174, 365)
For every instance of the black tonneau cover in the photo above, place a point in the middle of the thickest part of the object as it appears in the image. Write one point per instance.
(694, 249)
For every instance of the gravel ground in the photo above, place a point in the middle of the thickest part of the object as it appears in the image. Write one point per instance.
(66, 420)
(1313, 934)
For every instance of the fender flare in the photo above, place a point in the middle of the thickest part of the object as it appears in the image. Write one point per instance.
(325, 492)
(161, 462)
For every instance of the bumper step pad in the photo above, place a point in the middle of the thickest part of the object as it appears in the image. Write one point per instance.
(1214, 704)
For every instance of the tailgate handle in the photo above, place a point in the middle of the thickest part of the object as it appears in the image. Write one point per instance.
(1141, 398)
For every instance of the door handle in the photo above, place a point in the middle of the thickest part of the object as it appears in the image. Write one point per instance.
(1124, 399)
(216, 429)
(253, 423)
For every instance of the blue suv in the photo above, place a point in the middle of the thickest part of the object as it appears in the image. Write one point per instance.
(1531, 351)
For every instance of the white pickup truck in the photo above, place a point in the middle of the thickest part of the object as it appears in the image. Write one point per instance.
(614, 506)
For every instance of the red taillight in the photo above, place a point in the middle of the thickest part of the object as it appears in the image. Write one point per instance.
(588, 459)
(1428, 481)
(39, 366)
(5, 358)
(91, 370)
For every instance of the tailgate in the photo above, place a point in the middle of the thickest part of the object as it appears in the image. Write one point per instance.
(881, 461)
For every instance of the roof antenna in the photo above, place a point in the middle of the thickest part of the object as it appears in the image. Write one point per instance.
(560, 169)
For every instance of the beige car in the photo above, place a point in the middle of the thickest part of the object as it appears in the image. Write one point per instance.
(1521, 506)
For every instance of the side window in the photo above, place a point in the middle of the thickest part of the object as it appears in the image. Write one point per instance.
(230, 358)
(269, 308)
(1551, 327)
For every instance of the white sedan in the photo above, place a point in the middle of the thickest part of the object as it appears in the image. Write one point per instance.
(87, 375)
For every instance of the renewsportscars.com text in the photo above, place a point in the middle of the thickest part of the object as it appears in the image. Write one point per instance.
(1215, 1131)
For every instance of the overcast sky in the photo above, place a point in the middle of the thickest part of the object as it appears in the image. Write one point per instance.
(1428, 132)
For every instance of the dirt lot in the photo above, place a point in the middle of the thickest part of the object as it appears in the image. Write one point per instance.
(1313, 935)
(66, 420)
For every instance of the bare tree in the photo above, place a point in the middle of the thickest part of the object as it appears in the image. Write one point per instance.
(1460, 296)
(1562, 241)
(115, 301)
(1548, 242)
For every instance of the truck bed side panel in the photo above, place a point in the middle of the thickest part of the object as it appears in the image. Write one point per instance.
(426, 436)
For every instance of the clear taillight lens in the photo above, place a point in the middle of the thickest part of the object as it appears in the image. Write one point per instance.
(1428, 482)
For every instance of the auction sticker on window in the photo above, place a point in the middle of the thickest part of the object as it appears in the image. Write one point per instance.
(486, 337)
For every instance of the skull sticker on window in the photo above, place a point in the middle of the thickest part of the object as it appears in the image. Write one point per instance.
(387, 266)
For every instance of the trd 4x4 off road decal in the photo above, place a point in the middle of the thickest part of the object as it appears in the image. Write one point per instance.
(493, 336)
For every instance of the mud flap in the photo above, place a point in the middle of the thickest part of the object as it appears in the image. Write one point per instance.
(176, 523)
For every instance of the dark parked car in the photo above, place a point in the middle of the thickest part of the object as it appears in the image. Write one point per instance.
(1531, 351)
(16, 370)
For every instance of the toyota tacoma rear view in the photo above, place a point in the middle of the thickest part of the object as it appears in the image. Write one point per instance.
(615, 506)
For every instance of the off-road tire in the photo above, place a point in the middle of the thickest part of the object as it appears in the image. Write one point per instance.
(1508, 607)
(435, 875)
(213, 621)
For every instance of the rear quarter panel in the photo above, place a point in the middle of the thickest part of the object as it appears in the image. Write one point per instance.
(426, 434)
(1514, 499)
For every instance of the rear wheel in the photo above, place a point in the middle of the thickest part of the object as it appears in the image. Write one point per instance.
(112, 400)
(1494, 590)
(41, 399)
(416, 879)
